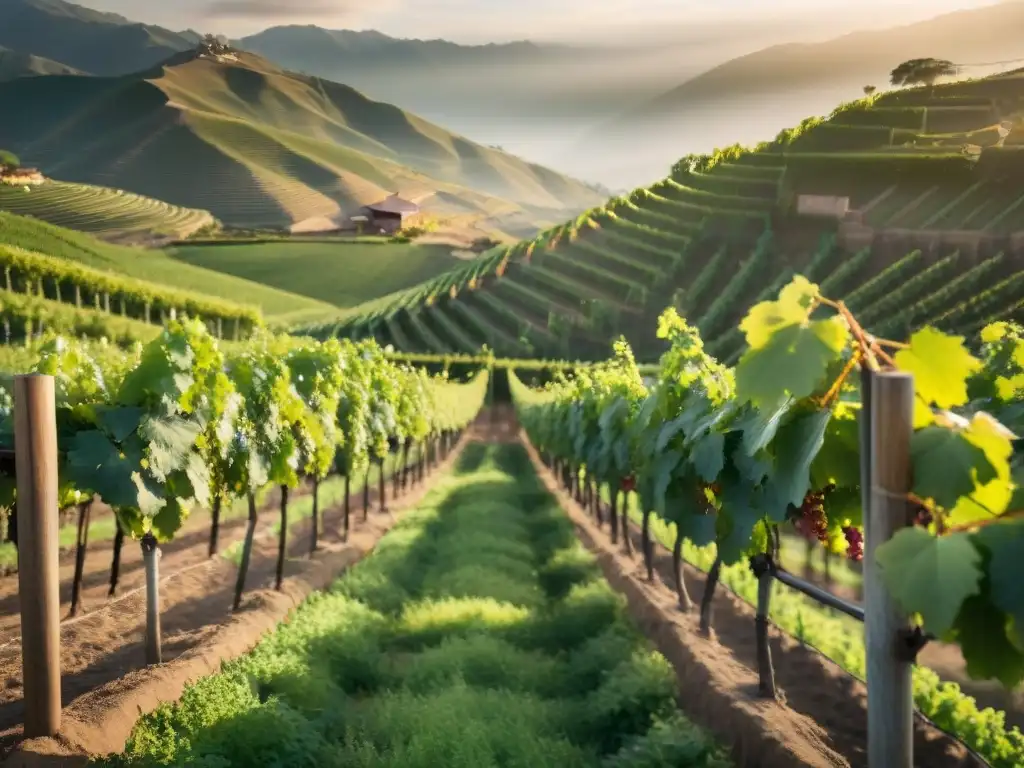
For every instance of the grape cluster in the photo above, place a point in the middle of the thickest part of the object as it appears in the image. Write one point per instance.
(628, 483)
(922, 516)
(854, 543)
(811, 521)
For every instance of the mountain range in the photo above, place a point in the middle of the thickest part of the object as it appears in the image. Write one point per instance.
(17, 64)
(257, 145)
(756, 95)
(619, 115)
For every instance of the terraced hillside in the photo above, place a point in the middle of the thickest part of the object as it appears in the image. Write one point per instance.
(933, 236)
(78, 269)
(105, 212)
(265, 147)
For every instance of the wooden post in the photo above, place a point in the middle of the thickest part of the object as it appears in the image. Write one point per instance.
(151, 559)
(888, 418)
(35, 444)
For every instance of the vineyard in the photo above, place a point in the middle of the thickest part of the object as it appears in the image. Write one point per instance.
(299, 502)
(55, 265)
(147, 440)
(102, 211)
(939, 252)
(721, 460)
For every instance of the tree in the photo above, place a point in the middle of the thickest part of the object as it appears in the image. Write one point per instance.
(869, 90)
(922, 72)
(9, 158)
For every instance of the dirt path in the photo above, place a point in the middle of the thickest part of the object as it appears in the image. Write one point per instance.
(825, 710)
(196, 593)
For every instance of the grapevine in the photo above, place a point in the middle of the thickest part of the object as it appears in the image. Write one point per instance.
(727, 455)
(177, 425)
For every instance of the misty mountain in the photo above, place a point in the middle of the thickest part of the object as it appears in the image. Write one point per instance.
(83, 39)
(17, 64)
(752, 97)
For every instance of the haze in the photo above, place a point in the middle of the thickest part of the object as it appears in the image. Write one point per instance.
(473, 21)
(553, 112)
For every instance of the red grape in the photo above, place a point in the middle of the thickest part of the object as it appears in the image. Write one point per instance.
(854, 543)
(812, 522)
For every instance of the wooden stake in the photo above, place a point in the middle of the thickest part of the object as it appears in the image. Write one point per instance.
(151, 559)
(35, 441)
(888, 416)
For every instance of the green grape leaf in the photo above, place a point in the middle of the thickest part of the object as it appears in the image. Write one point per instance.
(664, 466)
(1005, 543)
(793, 307)
(191, 481)
(759, 425)
(133, 521)
(699, 529)
(149, 497)
(170, 442)
(740, 513)
(119, 421)
(993, 495)
(838, 461)
(930, 576)
(793, 362)
(753, 468)
(681, 501)
(708, 456)
(669, 430)
(941, 366)
(987, 649)
(94, 463)
(795, 447)
(168, 520)
(947, 465)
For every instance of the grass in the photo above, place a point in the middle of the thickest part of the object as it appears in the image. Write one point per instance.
(479, 634)
(101, 210)
(340, 274)
(156, 267)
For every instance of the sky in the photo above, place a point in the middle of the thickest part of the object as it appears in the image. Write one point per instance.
(482, 21)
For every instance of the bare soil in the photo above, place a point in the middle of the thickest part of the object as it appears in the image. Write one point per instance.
(105, 680)
(823, 720)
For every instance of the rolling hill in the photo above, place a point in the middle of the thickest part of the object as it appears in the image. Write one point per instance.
(932, 236)
(74, 265)
(17, 64)
(267, 147)
(112, 214)
(760, 93)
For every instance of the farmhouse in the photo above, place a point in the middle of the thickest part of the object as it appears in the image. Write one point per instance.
(20, 176)
(389, 214)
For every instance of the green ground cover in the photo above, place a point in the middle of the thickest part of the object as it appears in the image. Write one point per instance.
(341, 274)
(841, 639)
(479, 634)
